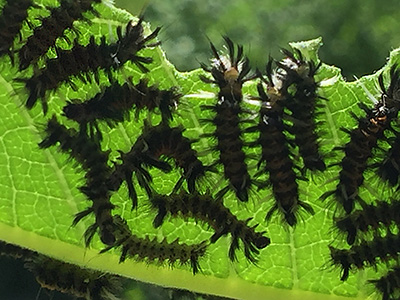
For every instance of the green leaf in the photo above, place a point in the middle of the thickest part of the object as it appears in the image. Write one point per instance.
(40, 197)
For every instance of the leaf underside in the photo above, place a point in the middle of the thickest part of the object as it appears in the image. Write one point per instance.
(40, 187)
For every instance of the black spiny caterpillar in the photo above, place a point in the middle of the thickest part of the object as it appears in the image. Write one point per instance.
(151, 250)
(276, 157)
(229, 74)
(87, 152)
(115, 103)
(214, 213)
(82, 61)
(44, 36)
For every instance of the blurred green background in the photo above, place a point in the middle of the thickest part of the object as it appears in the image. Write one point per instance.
(358, 35)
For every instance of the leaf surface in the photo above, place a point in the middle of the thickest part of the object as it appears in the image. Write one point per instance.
(40, 187)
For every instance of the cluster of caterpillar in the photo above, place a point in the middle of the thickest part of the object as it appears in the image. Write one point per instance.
(156, 147)
(363, 145)
(163, 141)
(287, 134)
(290, 86)
(379, 221)
(84, 61)
(276, 157)
(62, 17)
(53, 27)
(154, 142)
(372, 230)
(158, 144)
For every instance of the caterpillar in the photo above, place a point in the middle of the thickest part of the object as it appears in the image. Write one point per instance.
(16, 252)
(302, 103)
(391, 94)
(57, 275)
(363, 140)
(163, 140)
(93, 160)
(229, 74)
(157, 141)
(114, 103)
(389, 167)
(67, 278)
(372, 216)
(44, 36)
(13, 15)
(134, 162)
(276, 155)
(152, 250)
(81, 61)
(205, 208)
(388, 285)
(368, 253)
